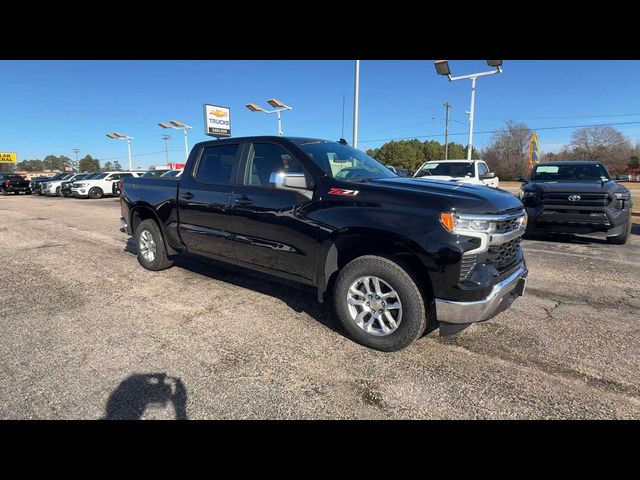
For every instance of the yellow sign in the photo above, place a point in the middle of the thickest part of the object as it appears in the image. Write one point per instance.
(8, 158)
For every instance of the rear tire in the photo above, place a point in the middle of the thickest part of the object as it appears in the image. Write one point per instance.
(624, 236)
(4, 192)
(152, 253)
(412, 313)
(57, 191)
(96, 192)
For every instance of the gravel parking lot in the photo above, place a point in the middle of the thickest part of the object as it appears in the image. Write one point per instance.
(86, 331)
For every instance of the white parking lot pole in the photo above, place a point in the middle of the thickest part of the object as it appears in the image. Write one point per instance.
(473, 104)
(186, 145)
(442, 68)
(355, 104)
(129, 148)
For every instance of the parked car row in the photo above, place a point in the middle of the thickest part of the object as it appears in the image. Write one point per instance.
(79, 185)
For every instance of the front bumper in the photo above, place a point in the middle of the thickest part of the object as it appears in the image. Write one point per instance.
(501, 297)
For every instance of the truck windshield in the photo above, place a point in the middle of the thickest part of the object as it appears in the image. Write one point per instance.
(452, 169)
(570, 173)
(344, 162)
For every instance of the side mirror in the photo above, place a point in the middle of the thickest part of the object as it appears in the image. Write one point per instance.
(296, 182)
(487, 176)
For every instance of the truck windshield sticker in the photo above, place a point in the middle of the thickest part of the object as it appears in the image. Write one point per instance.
(548, 169)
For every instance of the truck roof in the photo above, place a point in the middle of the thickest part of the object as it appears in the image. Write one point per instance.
(297, 140)
(455, 161)
(572, 162)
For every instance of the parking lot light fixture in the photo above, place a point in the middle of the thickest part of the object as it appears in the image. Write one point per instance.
(254, 108)
(442, 67)
(122, 136)
(177, 125)
(278, 108)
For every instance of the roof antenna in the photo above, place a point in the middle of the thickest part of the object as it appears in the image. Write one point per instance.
(343, 141)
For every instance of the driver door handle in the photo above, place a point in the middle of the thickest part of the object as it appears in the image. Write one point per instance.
(187, 196)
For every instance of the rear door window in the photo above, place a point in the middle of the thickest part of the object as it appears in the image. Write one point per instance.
(218, 164)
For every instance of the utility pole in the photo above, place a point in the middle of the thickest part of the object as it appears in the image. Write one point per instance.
(356, 98)
(76, 151)
(343, 98)
(447, 107)
(166, 139)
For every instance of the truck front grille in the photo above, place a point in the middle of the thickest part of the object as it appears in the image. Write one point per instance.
(507, 225)
(467, 265)
(585, 199)
(503, 256)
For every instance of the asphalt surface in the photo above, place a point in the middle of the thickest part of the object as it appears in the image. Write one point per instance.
(88, 333)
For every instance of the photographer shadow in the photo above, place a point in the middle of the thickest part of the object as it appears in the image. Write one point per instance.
(136, 393)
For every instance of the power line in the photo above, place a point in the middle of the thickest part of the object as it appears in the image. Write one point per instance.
(503, 130)
(559, 117)
(138, 155)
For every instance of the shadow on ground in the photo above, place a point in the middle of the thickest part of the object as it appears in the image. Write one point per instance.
(143, 390)
(301, 298)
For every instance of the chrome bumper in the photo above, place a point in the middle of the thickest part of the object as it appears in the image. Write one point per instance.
(501, 297)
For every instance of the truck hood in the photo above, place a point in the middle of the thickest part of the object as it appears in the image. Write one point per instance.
(578, 187)
(464, 197)
(447, 178)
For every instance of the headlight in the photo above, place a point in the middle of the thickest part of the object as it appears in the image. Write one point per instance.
(456, 224)
(623, 195)
(522, 194)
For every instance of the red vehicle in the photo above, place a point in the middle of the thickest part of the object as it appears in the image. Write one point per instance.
(12, 183)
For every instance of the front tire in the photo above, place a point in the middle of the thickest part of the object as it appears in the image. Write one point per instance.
(379, 304)
(624, 236)
(96, 192)
(152, 253)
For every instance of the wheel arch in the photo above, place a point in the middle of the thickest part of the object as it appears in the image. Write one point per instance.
(348, 244)
(143, 211)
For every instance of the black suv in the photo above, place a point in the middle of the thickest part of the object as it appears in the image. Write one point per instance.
(576, 197)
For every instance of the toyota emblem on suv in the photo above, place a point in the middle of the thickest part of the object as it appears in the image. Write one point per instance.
(574, 198)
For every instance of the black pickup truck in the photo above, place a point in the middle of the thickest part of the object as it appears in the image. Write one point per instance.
(10, 183)
(576, 197)
(395, 252)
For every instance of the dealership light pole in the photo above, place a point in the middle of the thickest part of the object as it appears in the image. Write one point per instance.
(442, 67)
(166, 139)
(76, 151)
(176, 125)
(120, 136)
(356, 99)
(278, 108)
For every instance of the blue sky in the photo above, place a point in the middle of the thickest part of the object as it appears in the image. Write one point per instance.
(50, 107)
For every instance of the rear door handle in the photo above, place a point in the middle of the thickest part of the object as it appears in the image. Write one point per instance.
(243, 200)
(187, 196)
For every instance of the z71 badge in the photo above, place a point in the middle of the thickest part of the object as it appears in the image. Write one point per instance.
(343, 192)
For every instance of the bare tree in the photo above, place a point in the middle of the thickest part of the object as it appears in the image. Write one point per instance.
(508, 149)
(602, 143)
